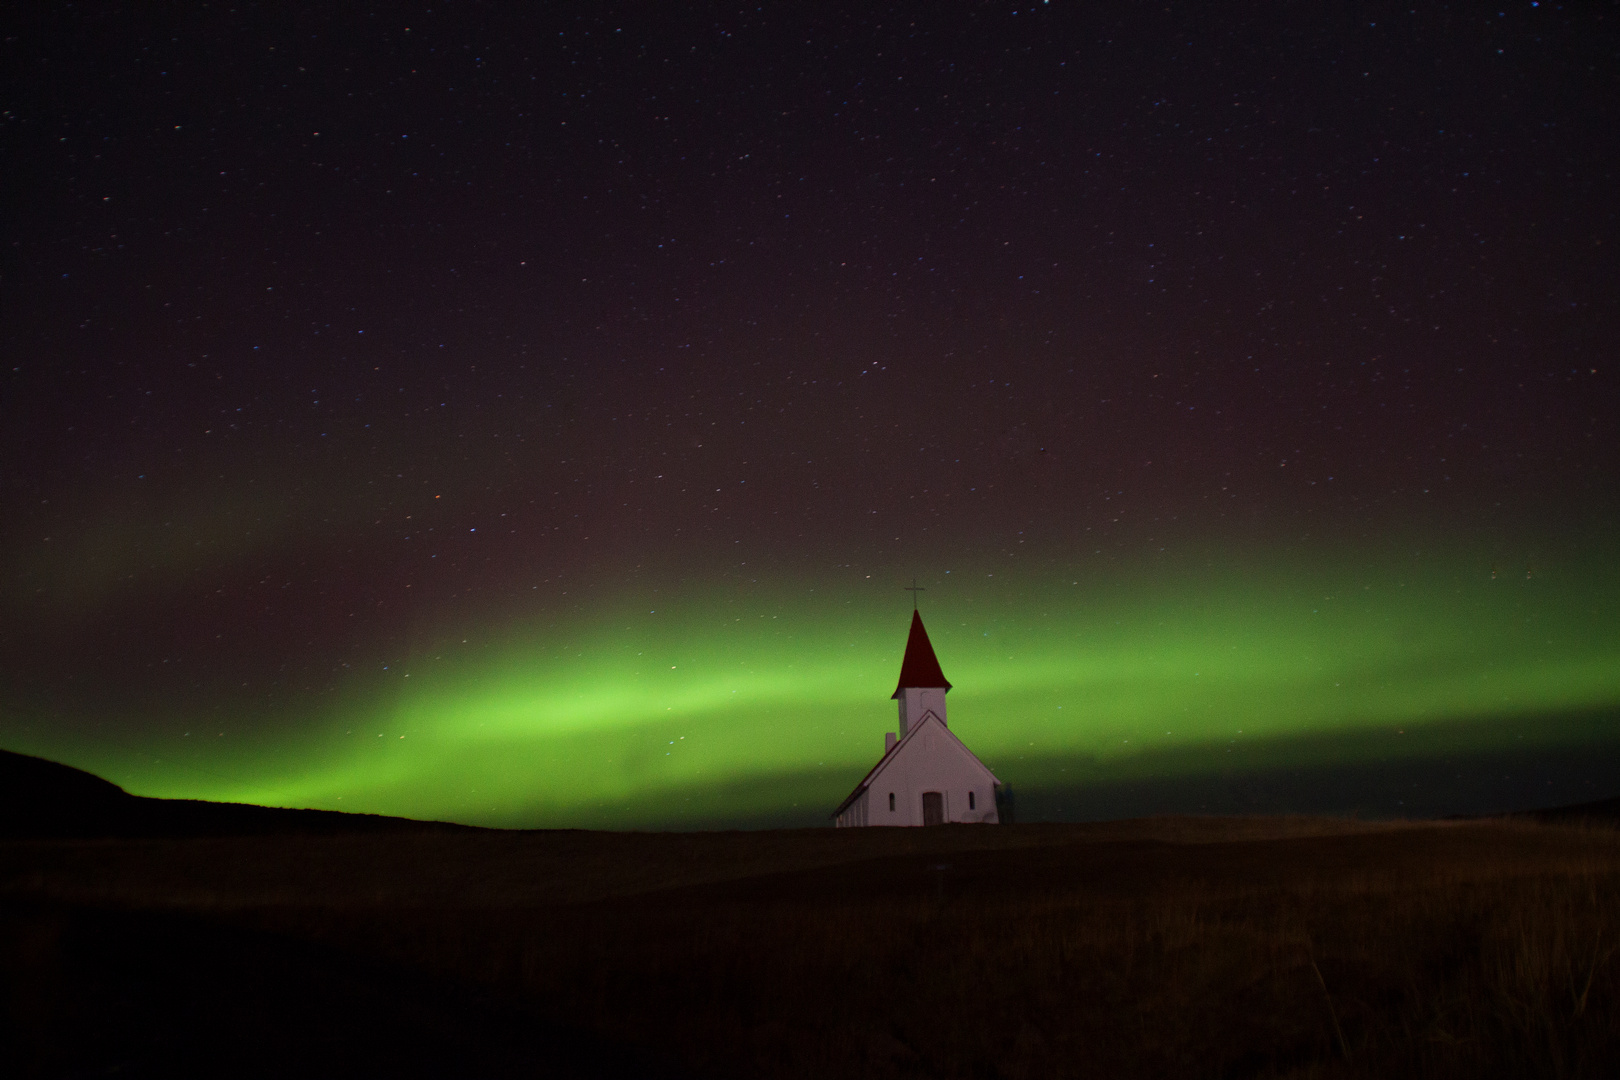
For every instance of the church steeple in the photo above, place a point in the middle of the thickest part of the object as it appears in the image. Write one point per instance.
(920, 668)
(922, 684)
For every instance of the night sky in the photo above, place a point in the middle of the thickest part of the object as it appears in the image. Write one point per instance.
(532, 417)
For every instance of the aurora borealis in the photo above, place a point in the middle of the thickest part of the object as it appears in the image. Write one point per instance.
(532, 420)
(755, 702)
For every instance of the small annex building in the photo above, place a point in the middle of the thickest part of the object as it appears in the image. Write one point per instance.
(927, 776)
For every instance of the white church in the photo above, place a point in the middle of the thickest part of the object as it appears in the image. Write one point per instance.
(927, 776)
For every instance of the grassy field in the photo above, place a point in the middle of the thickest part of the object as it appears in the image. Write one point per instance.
(1176, 947)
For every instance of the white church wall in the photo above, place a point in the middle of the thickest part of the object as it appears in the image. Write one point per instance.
(856, 813)
(931, 761)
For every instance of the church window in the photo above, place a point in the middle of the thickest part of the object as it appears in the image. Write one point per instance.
(970, 800)
(891, 802)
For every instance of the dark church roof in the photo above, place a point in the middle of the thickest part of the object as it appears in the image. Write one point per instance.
(921, 666)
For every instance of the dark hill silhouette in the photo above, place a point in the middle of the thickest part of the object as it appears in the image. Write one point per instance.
(41, 798)
(1606, 810)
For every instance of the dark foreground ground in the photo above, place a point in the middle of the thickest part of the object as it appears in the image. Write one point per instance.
(1175, 947)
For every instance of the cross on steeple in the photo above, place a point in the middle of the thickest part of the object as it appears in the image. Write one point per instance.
(914, 589)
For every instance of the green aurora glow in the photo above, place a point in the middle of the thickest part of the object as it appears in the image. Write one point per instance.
(710, 704)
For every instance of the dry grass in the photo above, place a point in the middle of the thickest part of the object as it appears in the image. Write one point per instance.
(1191, 947)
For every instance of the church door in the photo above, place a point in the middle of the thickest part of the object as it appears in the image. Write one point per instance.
(933, 808)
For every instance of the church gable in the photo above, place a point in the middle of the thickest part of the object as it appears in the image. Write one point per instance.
(930, 745)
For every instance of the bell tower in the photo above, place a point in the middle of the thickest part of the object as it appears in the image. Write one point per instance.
(923, 685)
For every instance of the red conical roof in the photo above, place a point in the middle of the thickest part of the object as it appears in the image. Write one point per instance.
(921, 666)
